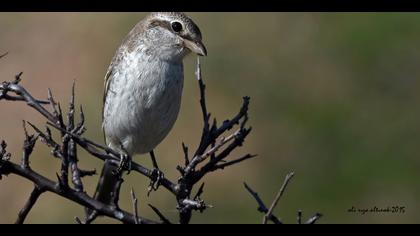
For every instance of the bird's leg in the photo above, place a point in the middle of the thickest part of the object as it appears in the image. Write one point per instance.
(153, 157)
(157, 175)
(125, 161)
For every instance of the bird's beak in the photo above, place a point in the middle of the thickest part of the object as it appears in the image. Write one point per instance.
(196, 47)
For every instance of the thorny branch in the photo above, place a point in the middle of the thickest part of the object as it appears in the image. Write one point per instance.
(278, 196)
(216, 145)
(135, 206)
(268, 212)
(29, 204)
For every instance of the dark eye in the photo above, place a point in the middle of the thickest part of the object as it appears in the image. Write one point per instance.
(176, 26)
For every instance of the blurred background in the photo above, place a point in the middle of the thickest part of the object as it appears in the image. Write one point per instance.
(334, 99)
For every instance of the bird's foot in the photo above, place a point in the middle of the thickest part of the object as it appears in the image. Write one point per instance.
(155, 181)
(125, 164)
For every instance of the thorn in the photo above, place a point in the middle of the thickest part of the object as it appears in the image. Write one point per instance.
(161, 216)
(24, 128)
(299, 218)
(78, 221)
(135, 206)
(61, 184)
(4, 54)
(84, 173)
(185, 149)
(18, 78)
(199, 192)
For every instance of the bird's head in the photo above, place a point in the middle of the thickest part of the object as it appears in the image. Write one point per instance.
(172, 34)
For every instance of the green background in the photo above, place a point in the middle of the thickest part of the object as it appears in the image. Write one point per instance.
(334, 99)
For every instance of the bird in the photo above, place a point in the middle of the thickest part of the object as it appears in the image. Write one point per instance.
(143, 89)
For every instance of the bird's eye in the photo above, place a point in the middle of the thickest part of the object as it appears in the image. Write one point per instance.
(176, 26)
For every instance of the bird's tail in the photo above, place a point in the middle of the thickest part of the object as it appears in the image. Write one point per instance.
(108, 181)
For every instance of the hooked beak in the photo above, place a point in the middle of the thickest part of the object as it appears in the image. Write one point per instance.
(196, 47)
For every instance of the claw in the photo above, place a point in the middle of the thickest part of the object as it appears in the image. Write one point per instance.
(125, 164)
(157, 177)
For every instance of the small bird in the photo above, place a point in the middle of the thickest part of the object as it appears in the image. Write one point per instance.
(143, 88)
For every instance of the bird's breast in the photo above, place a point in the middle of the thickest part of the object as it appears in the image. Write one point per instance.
(143, 103)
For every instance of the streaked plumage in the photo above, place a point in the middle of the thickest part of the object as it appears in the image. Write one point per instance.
(143, 87)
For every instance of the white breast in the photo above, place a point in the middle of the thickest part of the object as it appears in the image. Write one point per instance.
(142, 103)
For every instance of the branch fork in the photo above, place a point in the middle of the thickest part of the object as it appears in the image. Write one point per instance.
(212, 154)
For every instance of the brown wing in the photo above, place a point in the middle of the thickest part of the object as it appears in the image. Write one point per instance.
(107, 81)
(126, 45)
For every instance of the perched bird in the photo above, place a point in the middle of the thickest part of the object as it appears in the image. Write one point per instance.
(143, 88)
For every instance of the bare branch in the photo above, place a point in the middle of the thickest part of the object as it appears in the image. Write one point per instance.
(92, 148)
(185, 149)
(299, 217)
(71, 145)
(84, 173)
(278, 196)
(199, 192)
(212, 148)
(161, 216)
(72, 195)
(48, 140)
(52, 102)
(4, 54)
(313, 219)
(23, 95)
(78, 221)
(135, 206)
(202, 86)
(36, 192)
(197, 205)
(28, 146)
(226, 164)
(261, 206)
(216, 144)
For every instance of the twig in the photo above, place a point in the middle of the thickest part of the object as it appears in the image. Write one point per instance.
(71, 145)
(299, 217)
(4, 54)
(91, 147)
(199, 192)
(78, 221)
(268, 213)
(47, 139)
(161, 216)
(202, 87)
(208, 148)
(72, 195)
(217, 146)
(313, 219)
(210, 166)
(198, 205)
(23, 95)
(28, 146)
(36, 192)
(261, 206)
(91, 217)
(214, 147)
(278, 196)
(115, 193)
(135, 207)
(84, 173)
(185, 149)
(229, 163)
